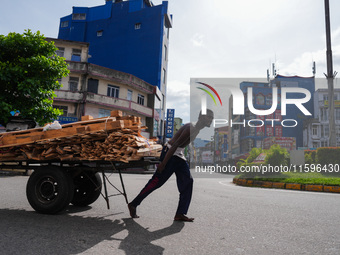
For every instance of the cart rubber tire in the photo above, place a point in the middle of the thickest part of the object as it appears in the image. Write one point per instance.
(88, 186)
(49, 190)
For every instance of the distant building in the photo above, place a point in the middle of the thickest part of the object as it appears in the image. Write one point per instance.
(95, 90)
(221, 144)
(199, 143)
(178, 122)
(128, 36)
(244, 137)
(316, 130)
(292, 111)
(234, 133)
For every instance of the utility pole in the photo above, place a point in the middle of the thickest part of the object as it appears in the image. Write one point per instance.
(330, 78)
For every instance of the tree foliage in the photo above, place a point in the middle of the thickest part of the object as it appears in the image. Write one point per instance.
(277, 156)
(29, 69)
(253, 154)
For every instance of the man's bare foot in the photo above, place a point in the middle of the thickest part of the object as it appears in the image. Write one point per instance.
(133, 211)
(182, 217)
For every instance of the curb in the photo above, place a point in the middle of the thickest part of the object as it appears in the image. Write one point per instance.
(290, 186)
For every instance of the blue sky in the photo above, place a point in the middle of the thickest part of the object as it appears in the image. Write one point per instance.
(216, 38)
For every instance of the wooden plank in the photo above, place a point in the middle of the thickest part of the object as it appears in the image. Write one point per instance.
(66, 157)
(116, 113)
(110, 138)
(98, 120)
(86, 117)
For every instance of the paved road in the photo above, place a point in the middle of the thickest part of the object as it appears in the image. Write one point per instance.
(229, 220)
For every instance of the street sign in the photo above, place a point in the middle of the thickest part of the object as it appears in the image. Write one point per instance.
(170, 115)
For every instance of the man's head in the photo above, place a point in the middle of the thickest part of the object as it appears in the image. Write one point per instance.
(206, 119)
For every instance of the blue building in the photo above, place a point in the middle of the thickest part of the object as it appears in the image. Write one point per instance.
(292, 111)
(273, 131)
(129, 36)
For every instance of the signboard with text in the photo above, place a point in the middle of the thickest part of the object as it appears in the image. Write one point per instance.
(64, 120)
(170, 116)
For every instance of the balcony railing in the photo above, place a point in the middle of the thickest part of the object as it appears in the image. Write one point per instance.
(124, 105)
(66, 95)
(119, 103)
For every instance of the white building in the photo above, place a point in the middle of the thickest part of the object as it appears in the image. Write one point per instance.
(95, 90)
(316, 131)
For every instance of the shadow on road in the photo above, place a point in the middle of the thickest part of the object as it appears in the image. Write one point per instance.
(139, 239)
(24, 232)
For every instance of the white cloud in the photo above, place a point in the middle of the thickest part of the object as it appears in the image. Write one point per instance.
(178, 98)
(302, 64)
(197, 40)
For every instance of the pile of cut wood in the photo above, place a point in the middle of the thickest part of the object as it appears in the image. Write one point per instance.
(115, 138)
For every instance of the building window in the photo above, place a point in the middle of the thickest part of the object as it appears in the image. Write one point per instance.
(165, 52)
(129, 95)
(64, 24)
(92, 86)
(164, 76)
(63, 108)
(269, 100)
(112, 91)
(99, 33)
(260, 99)
(324, 143)
(326, 130)
(138, 26)
(337, 114)
(315, 131)
(324, 114)
(60, 52)
(73, 82)
(252, 131)
(315, 145)
(167, 31)
(76, 55)
(140, 99)
(79, 16)
(325, 97)
(104, 113)
(163, 102)
(337, 128)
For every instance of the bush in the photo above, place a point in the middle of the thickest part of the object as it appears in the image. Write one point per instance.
(310, 157)
(277, 156)
(253, 154)
(328, 155)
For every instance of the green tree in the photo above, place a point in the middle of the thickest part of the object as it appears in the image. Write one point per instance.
(29, 69)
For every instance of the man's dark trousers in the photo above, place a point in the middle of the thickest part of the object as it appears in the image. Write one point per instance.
(175, 165)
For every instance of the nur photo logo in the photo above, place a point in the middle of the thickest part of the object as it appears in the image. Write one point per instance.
(244, 100)
(204, 99)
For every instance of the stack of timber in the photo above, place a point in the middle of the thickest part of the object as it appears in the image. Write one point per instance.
(115, 138)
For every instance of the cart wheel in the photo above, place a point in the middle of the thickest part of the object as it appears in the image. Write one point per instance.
(49, 190)
(88, 186)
